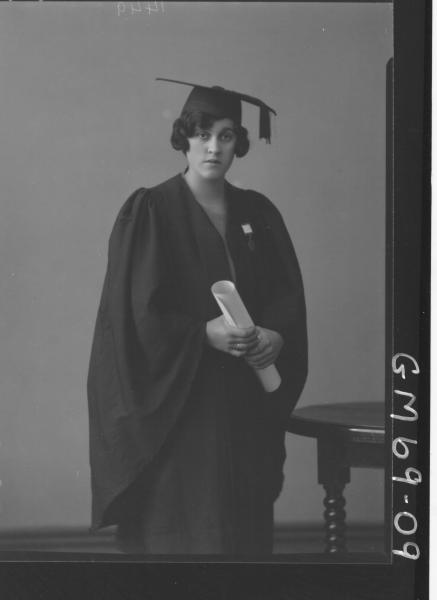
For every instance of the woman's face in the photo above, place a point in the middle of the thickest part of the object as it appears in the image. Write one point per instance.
(212, 150)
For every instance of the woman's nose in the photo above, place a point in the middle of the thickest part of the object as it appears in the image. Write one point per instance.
(213, 145)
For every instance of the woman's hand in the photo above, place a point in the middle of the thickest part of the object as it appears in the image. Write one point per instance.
(267, 350)
(233, 340)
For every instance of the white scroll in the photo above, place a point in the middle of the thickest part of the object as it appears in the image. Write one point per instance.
(236, 314)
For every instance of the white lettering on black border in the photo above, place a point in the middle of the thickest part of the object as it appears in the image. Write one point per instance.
(405, 523)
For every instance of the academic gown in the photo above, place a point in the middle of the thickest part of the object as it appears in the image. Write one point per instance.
(186, 448)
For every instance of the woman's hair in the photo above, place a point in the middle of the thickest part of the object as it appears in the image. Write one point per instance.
(185, 126)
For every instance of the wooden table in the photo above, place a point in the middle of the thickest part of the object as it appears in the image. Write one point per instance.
(349, 434)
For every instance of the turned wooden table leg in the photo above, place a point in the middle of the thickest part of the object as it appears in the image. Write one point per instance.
(335, 518)
(334, 474)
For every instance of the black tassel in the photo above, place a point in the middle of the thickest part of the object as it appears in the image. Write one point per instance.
(264, 124)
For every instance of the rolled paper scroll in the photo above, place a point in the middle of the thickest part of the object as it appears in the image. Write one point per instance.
(236, 314)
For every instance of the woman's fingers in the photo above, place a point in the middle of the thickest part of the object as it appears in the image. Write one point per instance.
(259, 352)
(237, 353)
(261, 347)
(239, 334)
(252, 345)
(262, 355)
(240, 340)
(236, 341)
(238, 348)
(264, 364)
(260, 363)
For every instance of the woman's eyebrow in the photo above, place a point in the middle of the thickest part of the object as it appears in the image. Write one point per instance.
(227, 129)
(209, 130)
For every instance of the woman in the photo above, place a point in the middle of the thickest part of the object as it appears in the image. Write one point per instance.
(186, 447)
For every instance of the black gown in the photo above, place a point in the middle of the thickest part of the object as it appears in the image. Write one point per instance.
(186, 449)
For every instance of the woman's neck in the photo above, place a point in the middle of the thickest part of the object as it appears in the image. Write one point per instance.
(209, 192)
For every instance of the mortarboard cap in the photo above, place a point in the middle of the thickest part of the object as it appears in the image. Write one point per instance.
(220, 103)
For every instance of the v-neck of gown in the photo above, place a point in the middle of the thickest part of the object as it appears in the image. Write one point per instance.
(224, 238)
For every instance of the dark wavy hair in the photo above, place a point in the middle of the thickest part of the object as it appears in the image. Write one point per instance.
(185, 126)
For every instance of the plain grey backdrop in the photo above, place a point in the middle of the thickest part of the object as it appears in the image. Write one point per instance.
(83, 124)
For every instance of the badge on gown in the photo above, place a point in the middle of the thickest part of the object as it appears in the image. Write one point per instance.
(248, 233)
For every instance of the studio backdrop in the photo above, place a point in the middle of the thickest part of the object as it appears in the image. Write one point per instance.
(83, 123)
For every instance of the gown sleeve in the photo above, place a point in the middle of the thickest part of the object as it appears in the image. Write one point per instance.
(284, 308)
(144, 356)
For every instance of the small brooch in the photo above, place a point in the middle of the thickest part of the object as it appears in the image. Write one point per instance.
(248, 232)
